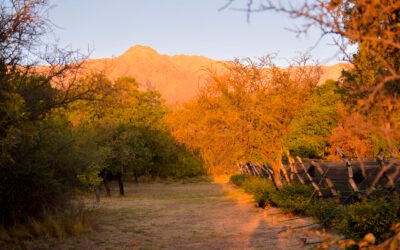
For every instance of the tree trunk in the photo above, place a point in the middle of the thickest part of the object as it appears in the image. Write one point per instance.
(277, 175)
(293, 167)
(96, 192)
(121, 186)
(108, 191)
(284, 171)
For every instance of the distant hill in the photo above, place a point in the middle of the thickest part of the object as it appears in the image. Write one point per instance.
(176, 77)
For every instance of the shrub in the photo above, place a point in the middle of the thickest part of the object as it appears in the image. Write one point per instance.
(262, 198)
(368, 216)
(293, 197)
(43, 173)
(353, 221)
(238, 179)
(261, 188)
(324, 211)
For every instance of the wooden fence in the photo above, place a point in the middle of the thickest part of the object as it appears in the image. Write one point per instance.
(347, 180)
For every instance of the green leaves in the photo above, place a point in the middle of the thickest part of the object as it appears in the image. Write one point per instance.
(368, 216)
(310, 130)
(129, 123)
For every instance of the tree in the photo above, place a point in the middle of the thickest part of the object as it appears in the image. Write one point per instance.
(244, 113)
(39, 153)
(310, 130)
(373, 85)
(129, 123)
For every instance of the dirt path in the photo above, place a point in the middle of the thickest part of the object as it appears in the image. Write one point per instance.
(187, 216)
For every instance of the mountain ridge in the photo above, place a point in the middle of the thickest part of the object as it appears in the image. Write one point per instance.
(176, 77)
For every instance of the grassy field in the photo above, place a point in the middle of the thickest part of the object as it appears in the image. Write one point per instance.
(202, 215)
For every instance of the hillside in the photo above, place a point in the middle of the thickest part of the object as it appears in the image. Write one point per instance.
(176, 77)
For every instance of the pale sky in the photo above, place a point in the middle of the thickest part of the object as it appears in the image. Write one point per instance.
(193, 27)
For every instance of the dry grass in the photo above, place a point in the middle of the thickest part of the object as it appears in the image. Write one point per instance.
(73, 222)
(202, 215)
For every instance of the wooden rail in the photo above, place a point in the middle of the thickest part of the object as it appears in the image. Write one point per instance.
(345, 180)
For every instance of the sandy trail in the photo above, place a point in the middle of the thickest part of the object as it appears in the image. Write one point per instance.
(187, 216)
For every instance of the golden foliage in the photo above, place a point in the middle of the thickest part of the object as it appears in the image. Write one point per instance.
(244, 113)
(373, 27)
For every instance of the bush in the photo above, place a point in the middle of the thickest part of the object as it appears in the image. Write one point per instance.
(262, 198)
(42, 175)
(293, 198)
(353, 221)
(368, 216)
(261, 188)
(324, 211)
(238, 179)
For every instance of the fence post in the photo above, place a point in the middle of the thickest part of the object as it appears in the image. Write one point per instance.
(327, 180)
(315, 186)
(349, 172)
(382, 172)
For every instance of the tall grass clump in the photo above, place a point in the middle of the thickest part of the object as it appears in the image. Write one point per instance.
(71, 222)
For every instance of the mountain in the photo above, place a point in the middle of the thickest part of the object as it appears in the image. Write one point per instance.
(176, 77)
(333, 71)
